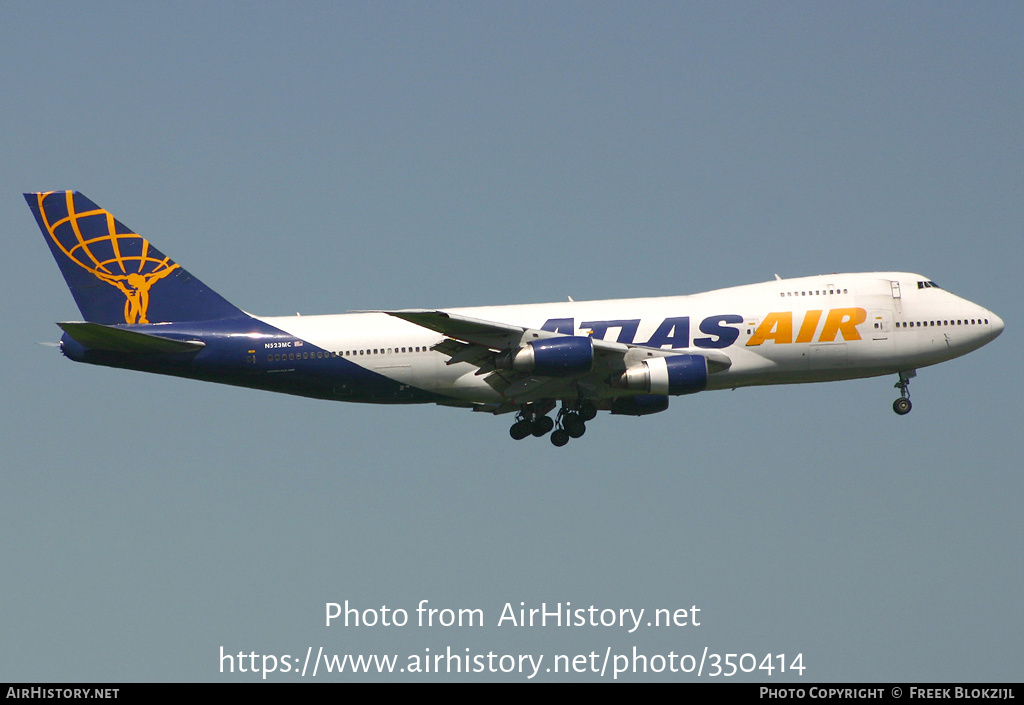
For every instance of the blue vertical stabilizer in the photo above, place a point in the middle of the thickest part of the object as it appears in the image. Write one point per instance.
(115, 275)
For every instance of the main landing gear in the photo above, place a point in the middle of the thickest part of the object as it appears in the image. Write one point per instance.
(530, 422)
(902, 405)
(571, 422)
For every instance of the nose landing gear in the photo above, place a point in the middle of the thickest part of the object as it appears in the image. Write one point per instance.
(902, 406)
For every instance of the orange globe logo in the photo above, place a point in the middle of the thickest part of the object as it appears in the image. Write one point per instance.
(97, 242)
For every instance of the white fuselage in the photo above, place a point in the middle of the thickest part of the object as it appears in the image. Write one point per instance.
(810, 329)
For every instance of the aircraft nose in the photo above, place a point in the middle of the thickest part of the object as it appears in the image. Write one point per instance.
(995, 324)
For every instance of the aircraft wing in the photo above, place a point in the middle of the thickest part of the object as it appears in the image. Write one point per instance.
(475, 341)
(500, 336)
(489, 334)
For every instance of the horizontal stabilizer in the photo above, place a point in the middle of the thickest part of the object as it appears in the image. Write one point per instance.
(96, 336)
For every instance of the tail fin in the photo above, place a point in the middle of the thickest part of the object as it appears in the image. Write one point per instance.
(115, 275)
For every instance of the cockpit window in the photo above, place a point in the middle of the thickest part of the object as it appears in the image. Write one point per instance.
(928, 285)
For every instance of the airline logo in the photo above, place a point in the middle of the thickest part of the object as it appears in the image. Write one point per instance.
(721, 331)
(105, 248)
(778, 327)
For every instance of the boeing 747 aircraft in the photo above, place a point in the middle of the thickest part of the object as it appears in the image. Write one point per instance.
(143, 311)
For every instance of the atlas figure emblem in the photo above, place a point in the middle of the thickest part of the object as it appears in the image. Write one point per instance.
(122, 259)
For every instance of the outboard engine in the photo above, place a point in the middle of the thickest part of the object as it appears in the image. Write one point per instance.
(552, 357)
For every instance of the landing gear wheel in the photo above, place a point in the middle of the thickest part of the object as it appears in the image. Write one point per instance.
(574, 425)
(559, 437)
(587, 410)
(902, 406)
(520, 429)
(541, 425)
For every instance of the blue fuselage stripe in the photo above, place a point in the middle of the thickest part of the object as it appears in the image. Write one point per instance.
(236, 352)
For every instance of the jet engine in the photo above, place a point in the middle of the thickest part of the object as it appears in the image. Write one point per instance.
(552, 357)
(678, 374)
(640, 405)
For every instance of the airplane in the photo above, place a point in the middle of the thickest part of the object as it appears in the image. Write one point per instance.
(143, 311)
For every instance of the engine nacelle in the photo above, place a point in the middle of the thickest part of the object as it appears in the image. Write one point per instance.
(640, 405)
(678, 374)
(552, 357)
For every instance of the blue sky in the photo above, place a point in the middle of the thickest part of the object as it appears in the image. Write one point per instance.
(323, 157)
